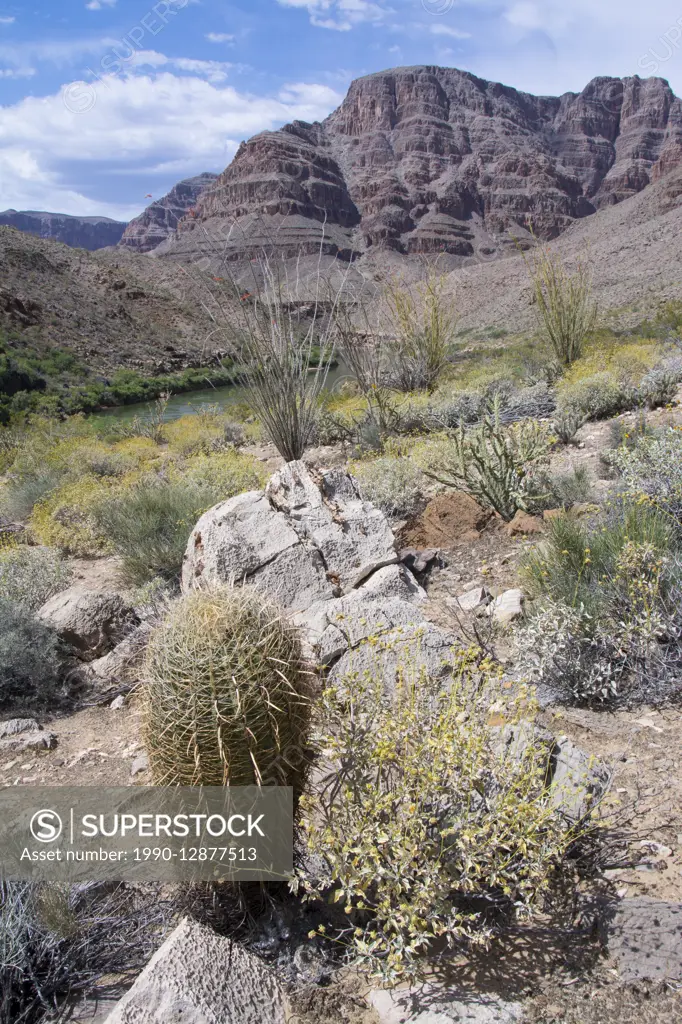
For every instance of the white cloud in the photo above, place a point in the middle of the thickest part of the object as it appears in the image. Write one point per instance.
(7, 21)
(213, 70)
(341, 15)
(97, 5)
(18, 72)
(154, 123)
(445, 30)
(220, 37)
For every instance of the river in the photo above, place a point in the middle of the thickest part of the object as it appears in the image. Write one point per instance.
(189, 401)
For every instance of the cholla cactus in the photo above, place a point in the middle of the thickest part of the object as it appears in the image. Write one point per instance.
(226, 699)
(491, 462)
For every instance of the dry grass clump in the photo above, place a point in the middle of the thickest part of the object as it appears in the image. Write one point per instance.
(226, 698)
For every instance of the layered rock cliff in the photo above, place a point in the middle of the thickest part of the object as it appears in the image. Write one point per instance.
(78, 232)
(429, 159)
(161, 217)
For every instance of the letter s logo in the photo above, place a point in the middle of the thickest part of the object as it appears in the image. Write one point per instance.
(46, 826)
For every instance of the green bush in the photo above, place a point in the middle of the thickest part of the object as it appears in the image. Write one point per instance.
(564, 490)
(574, 562)
(29, 660)
(149, 524)
(393, 484)
(226, 698)
(567, 423)
(657, 387)
(597, 397)
(30, 576)
(428, 830)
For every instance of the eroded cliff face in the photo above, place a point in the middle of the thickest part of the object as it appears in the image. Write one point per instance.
(429, 159)
(78, 232)
(161, 218)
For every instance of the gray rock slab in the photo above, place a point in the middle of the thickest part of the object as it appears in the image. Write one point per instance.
(197, 977)
(644, 936)
(234, 539)
(440, 1005)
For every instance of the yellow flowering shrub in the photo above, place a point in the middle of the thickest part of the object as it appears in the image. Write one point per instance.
(427, 825)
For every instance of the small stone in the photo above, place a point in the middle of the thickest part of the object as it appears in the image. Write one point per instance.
(523, 523)
(473, 599)
(117, 703)
(139, 765)
(507, 607)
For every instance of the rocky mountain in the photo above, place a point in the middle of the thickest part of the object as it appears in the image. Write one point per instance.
(161, 217)
(78, 232)
(111, 309)
(430, 159)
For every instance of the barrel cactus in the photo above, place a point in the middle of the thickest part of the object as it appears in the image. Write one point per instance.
(227, 694)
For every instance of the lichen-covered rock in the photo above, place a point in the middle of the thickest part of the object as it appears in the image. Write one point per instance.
(198, 977)
(353, 536)
(299, 542)
(234, 539)
(91, 622)
(644, 937)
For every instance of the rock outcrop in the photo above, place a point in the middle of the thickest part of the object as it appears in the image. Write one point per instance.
(78, 232)
(90, 622)
(430, 159)
(161, 217)
(198, 977)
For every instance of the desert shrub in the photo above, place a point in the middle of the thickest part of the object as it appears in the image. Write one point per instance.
(148, 525)
(629, 650)
(652, 471)
(597, 397)
(657, 387)
(20, 496)
(395, 485)
(68, 517)
(574, 562)
(29, 659)
(566, 311)
(420, 321)
(564, 490)
(428, 829)
(61, 941)
(491, 462)
(222, 475)
(535, 402)
(566, 424)
(226, 697)
(30, 576)
(453, 409)
(609, 622)
(205, 431)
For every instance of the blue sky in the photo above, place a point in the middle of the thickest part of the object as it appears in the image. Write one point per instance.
(104, 101)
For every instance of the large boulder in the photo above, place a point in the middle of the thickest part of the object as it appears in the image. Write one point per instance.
(302, 541)
(91, 622)
(198, 977)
